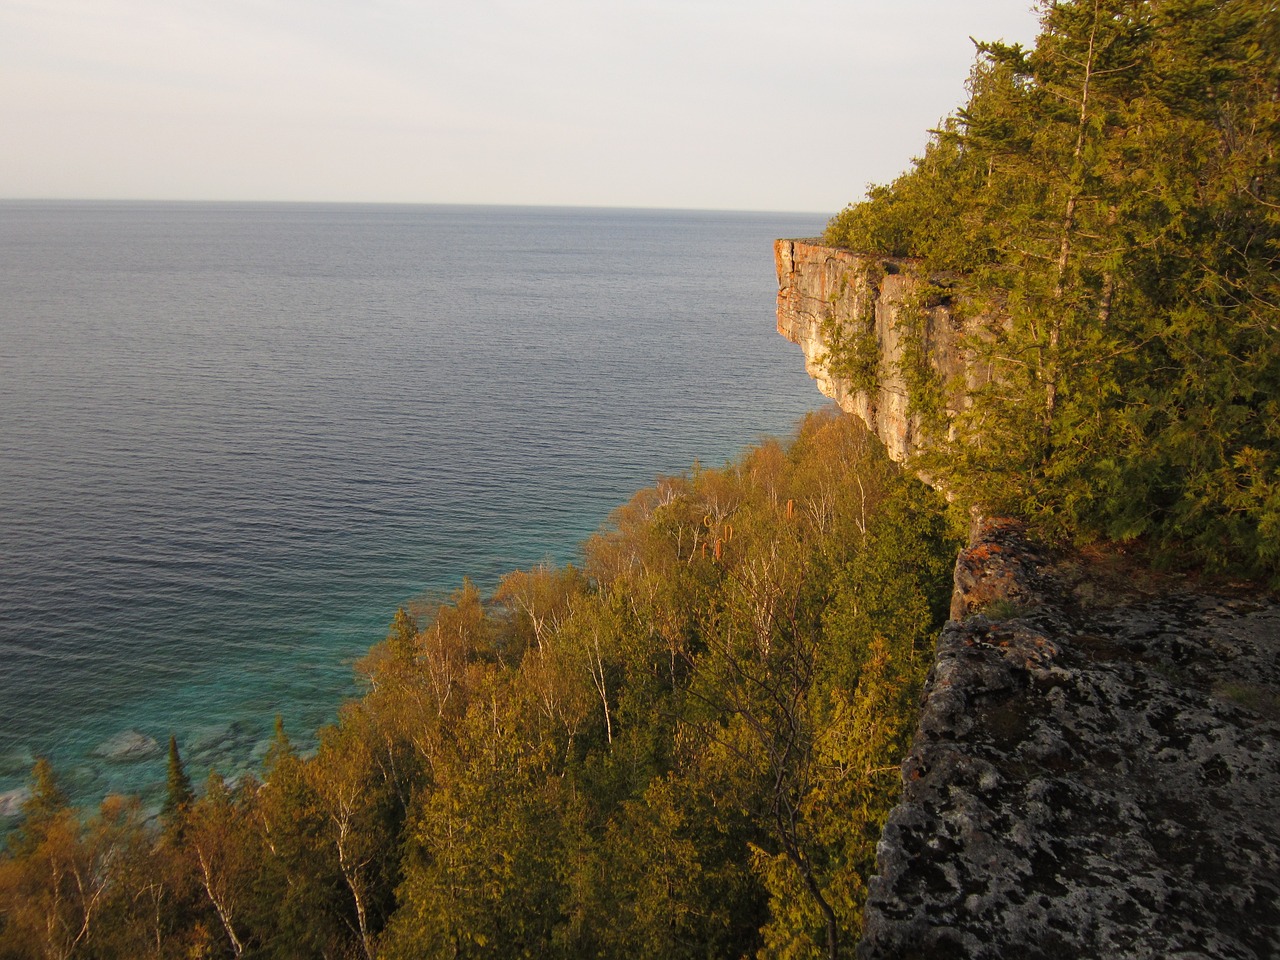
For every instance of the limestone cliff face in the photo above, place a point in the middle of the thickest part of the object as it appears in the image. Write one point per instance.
(827, 293)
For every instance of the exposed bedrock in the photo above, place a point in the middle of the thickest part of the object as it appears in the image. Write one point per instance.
(829, 294)
(1096, 771)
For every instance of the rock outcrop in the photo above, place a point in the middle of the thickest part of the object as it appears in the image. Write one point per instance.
(1096, 771)
(880, 307)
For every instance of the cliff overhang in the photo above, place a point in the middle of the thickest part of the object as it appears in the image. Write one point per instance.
(870, 327)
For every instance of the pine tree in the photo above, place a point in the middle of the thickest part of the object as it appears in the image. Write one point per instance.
(46, 803)
(178, 795)
(402, 636)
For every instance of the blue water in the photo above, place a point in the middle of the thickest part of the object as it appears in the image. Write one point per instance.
(234, 438)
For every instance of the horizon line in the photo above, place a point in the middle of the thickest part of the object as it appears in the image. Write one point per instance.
(403, 203)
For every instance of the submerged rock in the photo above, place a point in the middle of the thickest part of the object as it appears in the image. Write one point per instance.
(127, 746)
(1096, 772)
(11, 801)
(209, 739)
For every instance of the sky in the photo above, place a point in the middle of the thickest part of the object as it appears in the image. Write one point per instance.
(698, 104)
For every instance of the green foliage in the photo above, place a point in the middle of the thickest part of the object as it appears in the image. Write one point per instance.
(178, 793)
(46, 802)
(1113, 195)
(926, 392)
(853, 350)
(402, 634)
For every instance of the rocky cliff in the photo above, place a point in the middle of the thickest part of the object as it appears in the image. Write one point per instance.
(1096, 771)
(889, 316)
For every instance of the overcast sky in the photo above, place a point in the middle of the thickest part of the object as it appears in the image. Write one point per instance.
(713, 104)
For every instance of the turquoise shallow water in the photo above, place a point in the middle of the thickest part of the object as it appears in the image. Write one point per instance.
(233, 438)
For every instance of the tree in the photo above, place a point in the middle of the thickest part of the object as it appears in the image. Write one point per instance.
(310, 909)
(1110, 202)
(178, 793)
(60, 877)
(543, 597)
(356, 825)
(226, 854)
(403, 634)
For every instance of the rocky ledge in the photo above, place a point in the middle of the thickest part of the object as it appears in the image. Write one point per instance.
(1096, 771)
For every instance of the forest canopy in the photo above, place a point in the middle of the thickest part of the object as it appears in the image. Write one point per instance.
(1111, 196)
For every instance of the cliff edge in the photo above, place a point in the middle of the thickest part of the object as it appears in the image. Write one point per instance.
(1096, 770)
(891, 316)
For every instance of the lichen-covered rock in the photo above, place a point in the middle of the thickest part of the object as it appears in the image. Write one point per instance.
(1087, 780)
(1001, 572)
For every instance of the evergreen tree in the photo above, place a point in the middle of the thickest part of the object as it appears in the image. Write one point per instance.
(178, 793)
(1110, 202)
(45, 804)
(402, 634)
